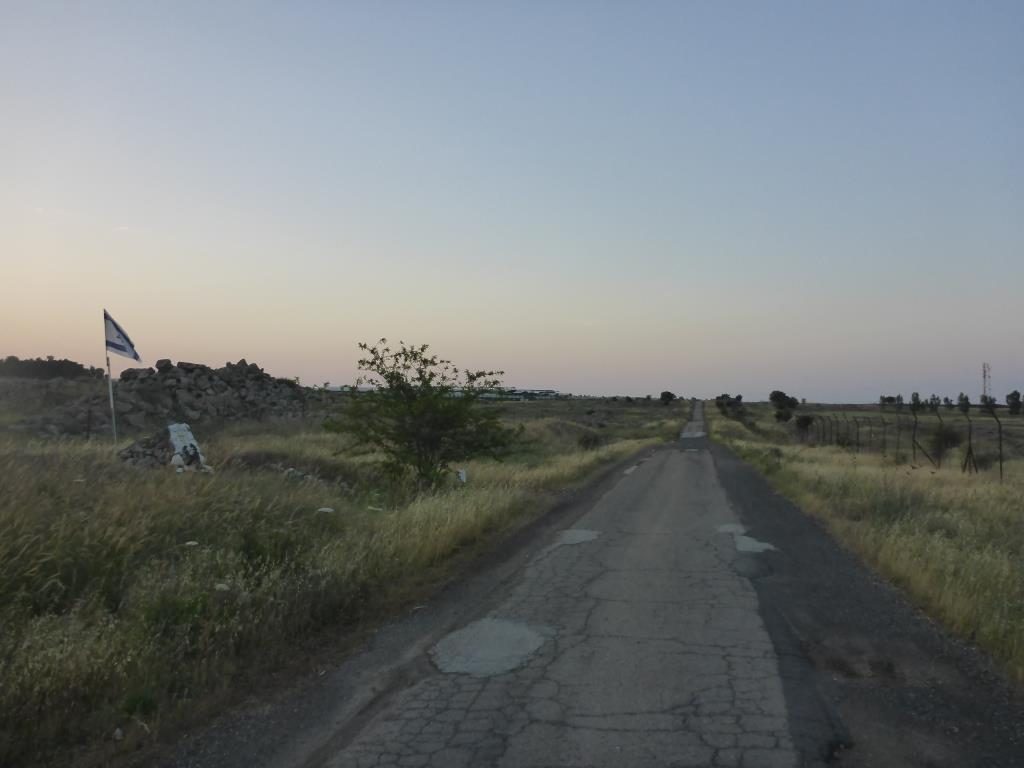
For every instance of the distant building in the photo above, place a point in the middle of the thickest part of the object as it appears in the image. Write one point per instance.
(513, 393)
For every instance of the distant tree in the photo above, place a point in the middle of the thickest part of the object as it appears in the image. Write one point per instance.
(782, 401)
(667, 397)
(422, 412)
(784, 405)
(948, 403)
(722, 401)
(730, 406)
(629, 399)
(648, 397)
(988, 403)
(933, 403)
(963, 402)
(915, 402)
(899, 402)
(1013, 402)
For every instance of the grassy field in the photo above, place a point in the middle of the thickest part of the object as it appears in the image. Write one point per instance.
(872, 436)
(953, 541)
(134, 598)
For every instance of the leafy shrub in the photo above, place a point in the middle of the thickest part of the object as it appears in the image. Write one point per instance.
(422, 412)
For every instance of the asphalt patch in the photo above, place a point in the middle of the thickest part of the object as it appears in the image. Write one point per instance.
(487, 647)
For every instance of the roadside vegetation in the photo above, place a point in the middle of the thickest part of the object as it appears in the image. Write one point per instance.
(953, 541)
(134, 600)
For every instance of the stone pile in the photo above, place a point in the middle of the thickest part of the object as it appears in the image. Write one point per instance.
(150, 452)
(174, 446)
(188, 392)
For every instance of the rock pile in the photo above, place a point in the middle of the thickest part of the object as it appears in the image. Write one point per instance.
(190, 392)
(174, 446)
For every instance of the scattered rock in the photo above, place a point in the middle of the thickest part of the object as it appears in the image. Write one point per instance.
(118, 734)
(326, 510)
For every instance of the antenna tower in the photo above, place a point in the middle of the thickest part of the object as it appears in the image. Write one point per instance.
(986, 380)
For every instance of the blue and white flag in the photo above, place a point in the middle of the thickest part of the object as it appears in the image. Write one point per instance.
(117, 340)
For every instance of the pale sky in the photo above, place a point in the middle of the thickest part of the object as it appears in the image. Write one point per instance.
(599, 197)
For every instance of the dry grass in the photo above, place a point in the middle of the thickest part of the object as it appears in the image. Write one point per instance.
(131, 597)
(954, 542)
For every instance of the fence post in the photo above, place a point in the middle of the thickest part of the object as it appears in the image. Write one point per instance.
(969, 464)
(999, 426)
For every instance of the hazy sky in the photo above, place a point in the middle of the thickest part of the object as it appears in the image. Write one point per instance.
(600, 197)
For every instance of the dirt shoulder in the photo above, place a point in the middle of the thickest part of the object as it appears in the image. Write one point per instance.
(867, 674)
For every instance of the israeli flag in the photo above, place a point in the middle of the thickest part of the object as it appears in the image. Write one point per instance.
(117, 340)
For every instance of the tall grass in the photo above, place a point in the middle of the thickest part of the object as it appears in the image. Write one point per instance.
(129, 597)
(954, 542)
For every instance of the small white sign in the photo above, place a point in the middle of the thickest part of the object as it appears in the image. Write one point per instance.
(187, 455)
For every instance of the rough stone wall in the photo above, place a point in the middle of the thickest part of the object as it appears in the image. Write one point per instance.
(188, 392)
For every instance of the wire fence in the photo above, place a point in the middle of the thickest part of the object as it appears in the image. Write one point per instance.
(976, 441)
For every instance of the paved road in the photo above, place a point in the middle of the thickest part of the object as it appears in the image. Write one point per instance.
(631, 640)
(679, 613)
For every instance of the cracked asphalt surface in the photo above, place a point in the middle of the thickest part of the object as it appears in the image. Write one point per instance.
(650, 649)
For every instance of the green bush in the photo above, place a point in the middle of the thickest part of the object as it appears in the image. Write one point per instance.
(422, 412)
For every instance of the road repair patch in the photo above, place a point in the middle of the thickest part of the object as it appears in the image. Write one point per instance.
(745, 543)
(487, 647)
(576, 536)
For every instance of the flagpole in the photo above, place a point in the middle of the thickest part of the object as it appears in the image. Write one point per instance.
(110, 386)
